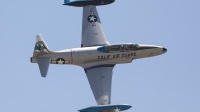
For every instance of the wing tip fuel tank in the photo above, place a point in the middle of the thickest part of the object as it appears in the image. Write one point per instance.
(81, 3)
(106, 108)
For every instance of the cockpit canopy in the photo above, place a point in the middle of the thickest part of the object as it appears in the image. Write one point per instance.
(118, 48)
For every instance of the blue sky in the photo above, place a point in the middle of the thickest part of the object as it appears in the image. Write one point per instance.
(166, 83)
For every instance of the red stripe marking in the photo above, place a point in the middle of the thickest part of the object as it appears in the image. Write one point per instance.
(93, 24)
(85, 70)
(91, 13)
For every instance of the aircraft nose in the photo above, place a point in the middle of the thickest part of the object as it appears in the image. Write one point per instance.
(164, 50)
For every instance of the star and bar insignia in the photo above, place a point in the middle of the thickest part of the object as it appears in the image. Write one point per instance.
(92, 18)
(60, 61)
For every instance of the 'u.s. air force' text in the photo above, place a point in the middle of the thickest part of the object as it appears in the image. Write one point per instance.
(116, 56)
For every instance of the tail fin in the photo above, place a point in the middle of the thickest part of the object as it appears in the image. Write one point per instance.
(41, 49)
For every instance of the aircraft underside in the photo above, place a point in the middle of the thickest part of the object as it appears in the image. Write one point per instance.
(96, 56)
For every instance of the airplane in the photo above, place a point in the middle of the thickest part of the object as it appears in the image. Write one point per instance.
(96, 56)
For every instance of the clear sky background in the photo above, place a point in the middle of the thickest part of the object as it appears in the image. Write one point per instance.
(165, 83)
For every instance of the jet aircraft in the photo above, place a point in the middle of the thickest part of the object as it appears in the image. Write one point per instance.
(96, 56)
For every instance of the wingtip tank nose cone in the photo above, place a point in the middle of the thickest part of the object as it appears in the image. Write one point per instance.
(129, 106)
(164, 50)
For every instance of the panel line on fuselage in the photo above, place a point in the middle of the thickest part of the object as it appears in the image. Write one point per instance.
(71, 57)
(98, 66)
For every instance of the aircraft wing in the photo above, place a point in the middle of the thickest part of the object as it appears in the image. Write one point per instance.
(92, 30)
(100, 79)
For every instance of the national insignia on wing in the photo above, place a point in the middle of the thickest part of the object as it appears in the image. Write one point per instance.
(92, 18)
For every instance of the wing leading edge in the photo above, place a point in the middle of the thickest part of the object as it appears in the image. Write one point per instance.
(100, 79)
(92, 30)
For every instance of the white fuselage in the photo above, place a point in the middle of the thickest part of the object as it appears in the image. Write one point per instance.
(87, 57)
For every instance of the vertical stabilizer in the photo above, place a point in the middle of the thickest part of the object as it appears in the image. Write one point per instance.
(42, 54)
(41, 47)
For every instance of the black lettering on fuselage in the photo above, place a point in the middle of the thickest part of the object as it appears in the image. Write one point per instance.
(116, 55)
(127, 55)
(104, 57)
(134, 54)
(108, 56)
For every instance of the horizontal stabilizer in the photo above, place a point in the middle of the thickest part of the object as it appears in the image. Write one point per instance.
(106, 108)
(43, 63)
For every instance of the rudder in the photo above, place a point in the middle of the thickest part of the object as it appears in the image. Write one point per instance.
(41, 47)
